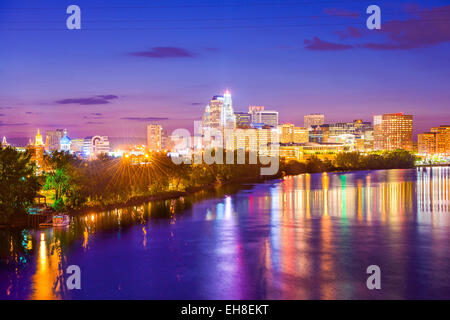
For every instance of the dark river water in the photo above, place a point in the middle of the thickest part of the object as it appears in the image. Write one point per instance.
(303, 237)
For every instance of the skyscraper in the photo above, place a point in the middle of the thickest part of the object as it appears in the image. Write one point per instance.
(286, 131)
(52, 138)
(393, 131)
(219, 113)
(266, 117)
(253, 109)
(243, 120)
(315, 119)
(219, 117)
(291, 134)
(426, 143)
(154, 137)
(95, 145)
(301, 135)
(442, 139)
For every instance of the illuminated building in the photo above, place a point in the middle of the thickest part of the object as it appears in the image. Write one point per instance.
(442, 139)
(65, 142)
(219, 117)
(318, 134)
(291, 134)
(301, 135)
(393, 131)
(243, 120)
(356, 128)
(95, 145)
(254, 140)
(154, 137)
(315, 119)
(426, 143)
(53, 138)
(76, 145)
(4, 143)
(286, 131)
(304, 151)
(38, 139)
(266, 117)
(253, 109)
(219, 113)
(36, 150)
(437, 141)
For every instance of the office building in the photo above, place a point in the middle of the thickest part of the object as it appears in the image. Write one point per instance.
(219, 113)
(426, 143)
(154, 137)
(95, 145)
(76, 146)
(53, 138)
(442, 139)
(315, 119)
(393, 131)
(301, 135)
(266, 117)
(243, 120)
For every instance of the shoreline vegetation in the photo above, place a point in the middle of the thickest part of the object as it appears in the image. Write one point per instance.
(75, 186)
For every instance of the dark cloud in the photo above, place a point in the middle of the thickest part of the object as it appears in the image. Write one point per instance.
(94, 115)
(100, 99)
(144, 118)
(336, 12)
(321, 45)
(349, 32)
(431, 27)
(2, 114)
(94, 122)
(425, 28)
(2, 124)
(164, 52)
(197, 104)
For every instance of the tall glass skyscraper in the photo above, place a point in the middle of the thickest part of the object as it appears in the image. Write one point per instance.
(219, 113)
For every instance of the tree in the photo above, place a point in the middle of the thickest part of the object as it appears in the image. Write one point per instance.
(19, 184)
(58, 178)
(348, 160)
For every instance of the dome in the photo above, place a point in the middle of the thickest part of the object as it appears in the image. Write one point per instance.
(65, 140)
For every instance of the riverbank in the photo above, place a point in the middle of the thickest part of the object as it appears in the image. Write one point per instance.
(139, 200)
(171, 195)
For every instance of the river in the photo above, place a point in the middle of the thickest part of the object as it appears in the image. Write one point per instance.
(310, 236)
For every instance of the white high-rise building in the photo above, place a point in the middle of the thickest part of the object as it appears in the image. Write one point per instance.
(154, 137)
(219, 115)
(95, 145)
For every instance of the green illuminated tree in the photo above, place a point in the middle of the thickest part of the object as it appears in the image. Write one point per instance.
(18, 183)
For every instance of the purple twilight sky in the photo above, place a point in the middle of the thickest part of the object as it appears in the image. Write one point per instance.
(136, 62)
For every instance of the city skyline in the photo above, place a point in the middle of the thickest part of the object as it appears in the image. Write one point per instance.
(102, 80)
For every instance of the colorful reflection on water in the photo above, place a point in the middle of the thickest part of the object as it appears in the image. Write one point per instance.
(310, 236)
